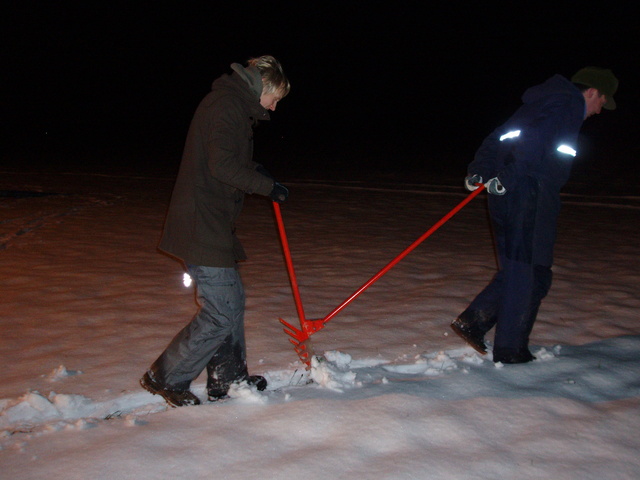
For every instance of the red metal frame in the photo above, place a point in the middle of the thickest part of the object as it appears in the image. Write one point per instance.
(299, 337)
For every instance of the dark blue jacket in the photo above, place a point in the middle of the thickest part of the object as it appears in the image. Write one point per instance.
(551, 115)
(532, 154)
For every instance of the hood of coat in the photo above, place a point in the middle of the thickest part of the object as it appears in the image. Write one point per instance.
(245, 83)
(251, 75)
(554, 86)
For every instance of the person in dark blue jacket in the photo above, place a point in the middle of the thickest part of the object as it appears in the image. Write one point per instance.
(524, 164)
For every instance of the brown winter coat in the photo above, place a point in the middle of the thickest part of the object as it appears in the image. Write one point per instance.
(216, 171)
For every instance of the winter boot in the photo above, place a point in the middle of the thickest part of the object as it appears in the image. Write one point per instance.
(257, 381)
(471, 334)
(175, 398)
(512, 356)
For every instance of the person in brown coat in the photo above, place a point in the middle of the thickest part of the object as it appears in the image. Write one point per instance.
(216, 172)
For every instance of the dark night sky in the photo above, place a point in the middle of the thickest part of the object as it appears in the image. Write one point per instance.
(397, 86)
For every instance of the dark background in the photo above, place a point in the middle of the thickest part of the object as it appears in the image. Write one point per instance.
(393, 89)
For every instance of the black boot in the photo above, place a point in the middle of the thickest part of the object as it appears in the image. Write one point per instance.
(471, 334)
(257, 381)
(220, 392)
(175, 398)
(512, 356)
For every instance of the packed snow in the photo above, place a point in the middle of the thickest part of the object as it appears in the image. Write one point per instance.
(88, 303)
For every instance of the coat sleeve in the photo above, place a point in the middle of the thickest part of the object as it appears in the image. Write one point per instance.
(485, 160)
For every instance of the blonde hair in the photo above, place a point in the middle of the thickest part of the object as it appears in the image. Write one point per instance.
(273, 77)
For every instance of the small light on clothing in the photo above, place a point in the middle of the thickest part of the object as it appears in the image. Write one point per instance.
(567, 149)
(186, 280)
(513, 134)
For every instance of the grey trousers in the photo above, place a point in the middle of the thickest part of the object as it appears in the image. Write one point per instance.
(213, 339)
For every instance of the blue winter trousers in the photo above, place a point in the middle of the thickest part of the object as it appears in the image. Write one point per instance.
(524, 227)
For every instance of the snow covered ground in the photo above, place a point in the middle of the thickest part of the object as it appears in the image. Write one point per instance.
(87, 303)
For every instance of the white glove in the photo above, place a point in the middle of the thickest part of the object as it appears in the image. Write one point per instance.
(470, 182)
(494, 186)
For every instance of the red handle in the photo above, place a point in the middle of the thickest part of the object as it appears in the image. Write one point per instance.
(404, 253)
(289, 262)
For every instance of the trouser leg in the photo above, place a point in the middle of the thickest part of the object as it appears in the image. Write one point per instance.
(506, 297)
(527, 285)
(523, 237)
(227, 365)
(542, 278)
(513, 313)
(220, 294)
(481, 314)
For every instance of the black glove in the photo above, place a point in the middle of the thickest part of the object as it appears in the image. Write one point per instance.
(470, 182)
(260, 169)
(494, 187)
(279, 193)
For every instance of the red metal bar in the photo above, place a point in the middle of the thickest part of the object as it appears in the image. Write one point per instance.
(403, 254)
(289, 262)
(300, 338)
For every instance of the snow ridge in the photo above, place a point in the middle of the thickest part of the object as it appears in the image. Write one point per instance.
(578, 372)
(38, 413)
